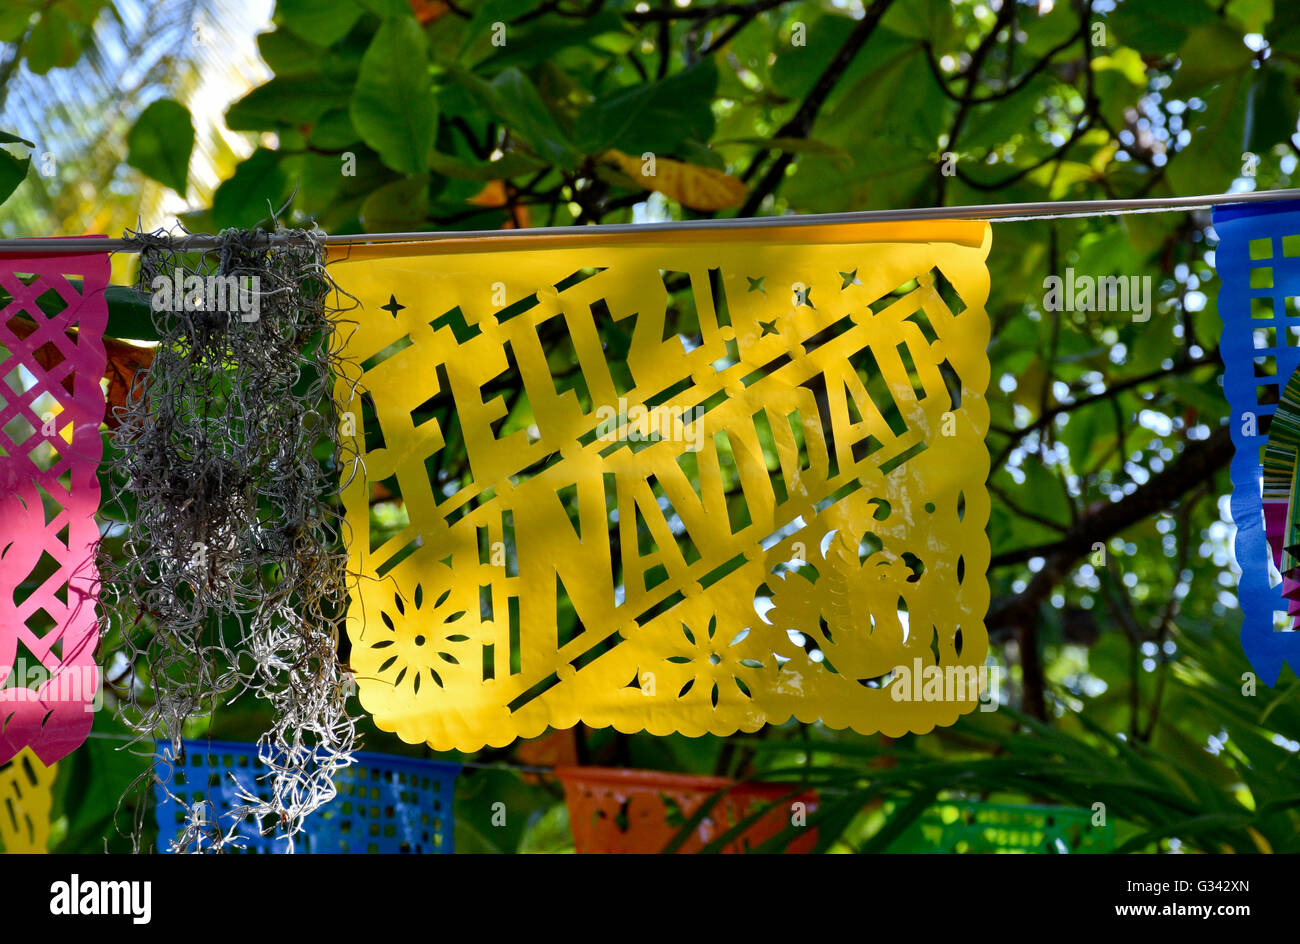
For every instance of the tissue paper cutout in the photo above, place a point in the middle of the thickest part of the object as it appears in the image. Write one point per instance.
(744, 480)
(25, 804)
(641, 812)
(1258, 260)
(51, 406)
(385, 804)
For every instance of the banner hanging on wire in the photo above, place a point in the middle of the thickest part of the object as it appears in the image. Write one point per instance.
(644, 812)
(384, 804)
(687, 483)
(51, 407)
(1258, 261)
(25, 804)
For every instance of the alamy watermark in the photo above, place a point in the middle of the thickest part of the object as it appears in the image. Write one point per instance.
(75, 684)
(231, 294)
(947, 683)
(1127, 293)
(638, 423)
(133, 899)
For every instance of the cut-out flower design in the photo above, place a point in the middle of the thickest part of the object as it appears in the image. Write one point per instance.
(714, 661)
(846, 605)
(420, 642)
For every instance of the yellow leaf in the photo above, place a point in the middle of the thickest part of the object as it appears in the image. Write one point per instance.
(1261, 843)
(493, 194)
(1127, 62)
(1101, 160)
(700, 188)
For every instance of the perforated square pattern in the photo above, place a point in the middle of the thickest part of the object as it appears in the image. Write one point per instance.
(52, 318)
(995, 827)
(385, 804)
(687, 483)
(1258, 262)
(644, 811)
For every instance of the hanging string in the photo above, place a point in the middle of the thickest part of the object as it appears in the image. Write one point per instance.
(993, 213)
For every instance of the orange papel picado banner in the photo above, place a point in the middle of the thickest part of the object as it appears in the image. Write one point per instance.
(685, 482)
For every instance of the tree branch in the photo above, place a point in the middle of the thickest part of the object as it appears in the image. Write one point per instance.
(1195, 465)
(802, 122)
(1012, 87)
(1110, 392)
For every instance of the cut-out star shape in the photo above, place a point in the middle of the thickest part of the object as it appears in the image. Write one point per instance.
(392, 307)
(803, 296)
(756, 285)
(769, 327)
(850, 278)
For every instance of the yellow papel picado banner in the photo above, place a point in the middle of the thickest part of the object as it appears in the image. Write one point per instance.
(676, 482)
(25, 803)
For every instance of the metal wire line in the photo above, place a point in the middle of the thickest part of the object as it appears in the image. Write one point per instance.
(993, 212)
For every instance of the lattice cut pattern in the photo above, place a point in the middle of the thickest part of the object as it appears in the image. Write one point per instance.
(25, 803)
(970, 827)
(642, 811)
(51, 406)
(384, 805)
(687, 484)
(1258, 261)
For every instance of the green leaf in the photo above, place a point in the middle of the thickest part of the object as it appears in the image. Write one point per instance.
(900, 821)
(1156, 26)
(865, 118)
(1090, 435)
(1284, 30)
(1119, 81)
(1210, 54)
(1204, 396)
(7, 138)
(1212, 160)
(89, 787)
(1043, 492)
(482, 28)
(397, 207)
(287, 53)
(160, 142)
(656, 117)
(513, 164)
(1005, 121)
(1274, 108)
(393, 108)
(701, 155)
(1047, 31)
(287, 103)
(258, 186)
(793, 146)
(333, 130)
(14, 21)
(52, 43)
(315, 180)
(1252, 15)
(290, 55)
(321, 23)
(926, 20)
(547, 41)
(129, 314)
(13, 171)
(515, 100)
(388, 7)
(548, 831)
